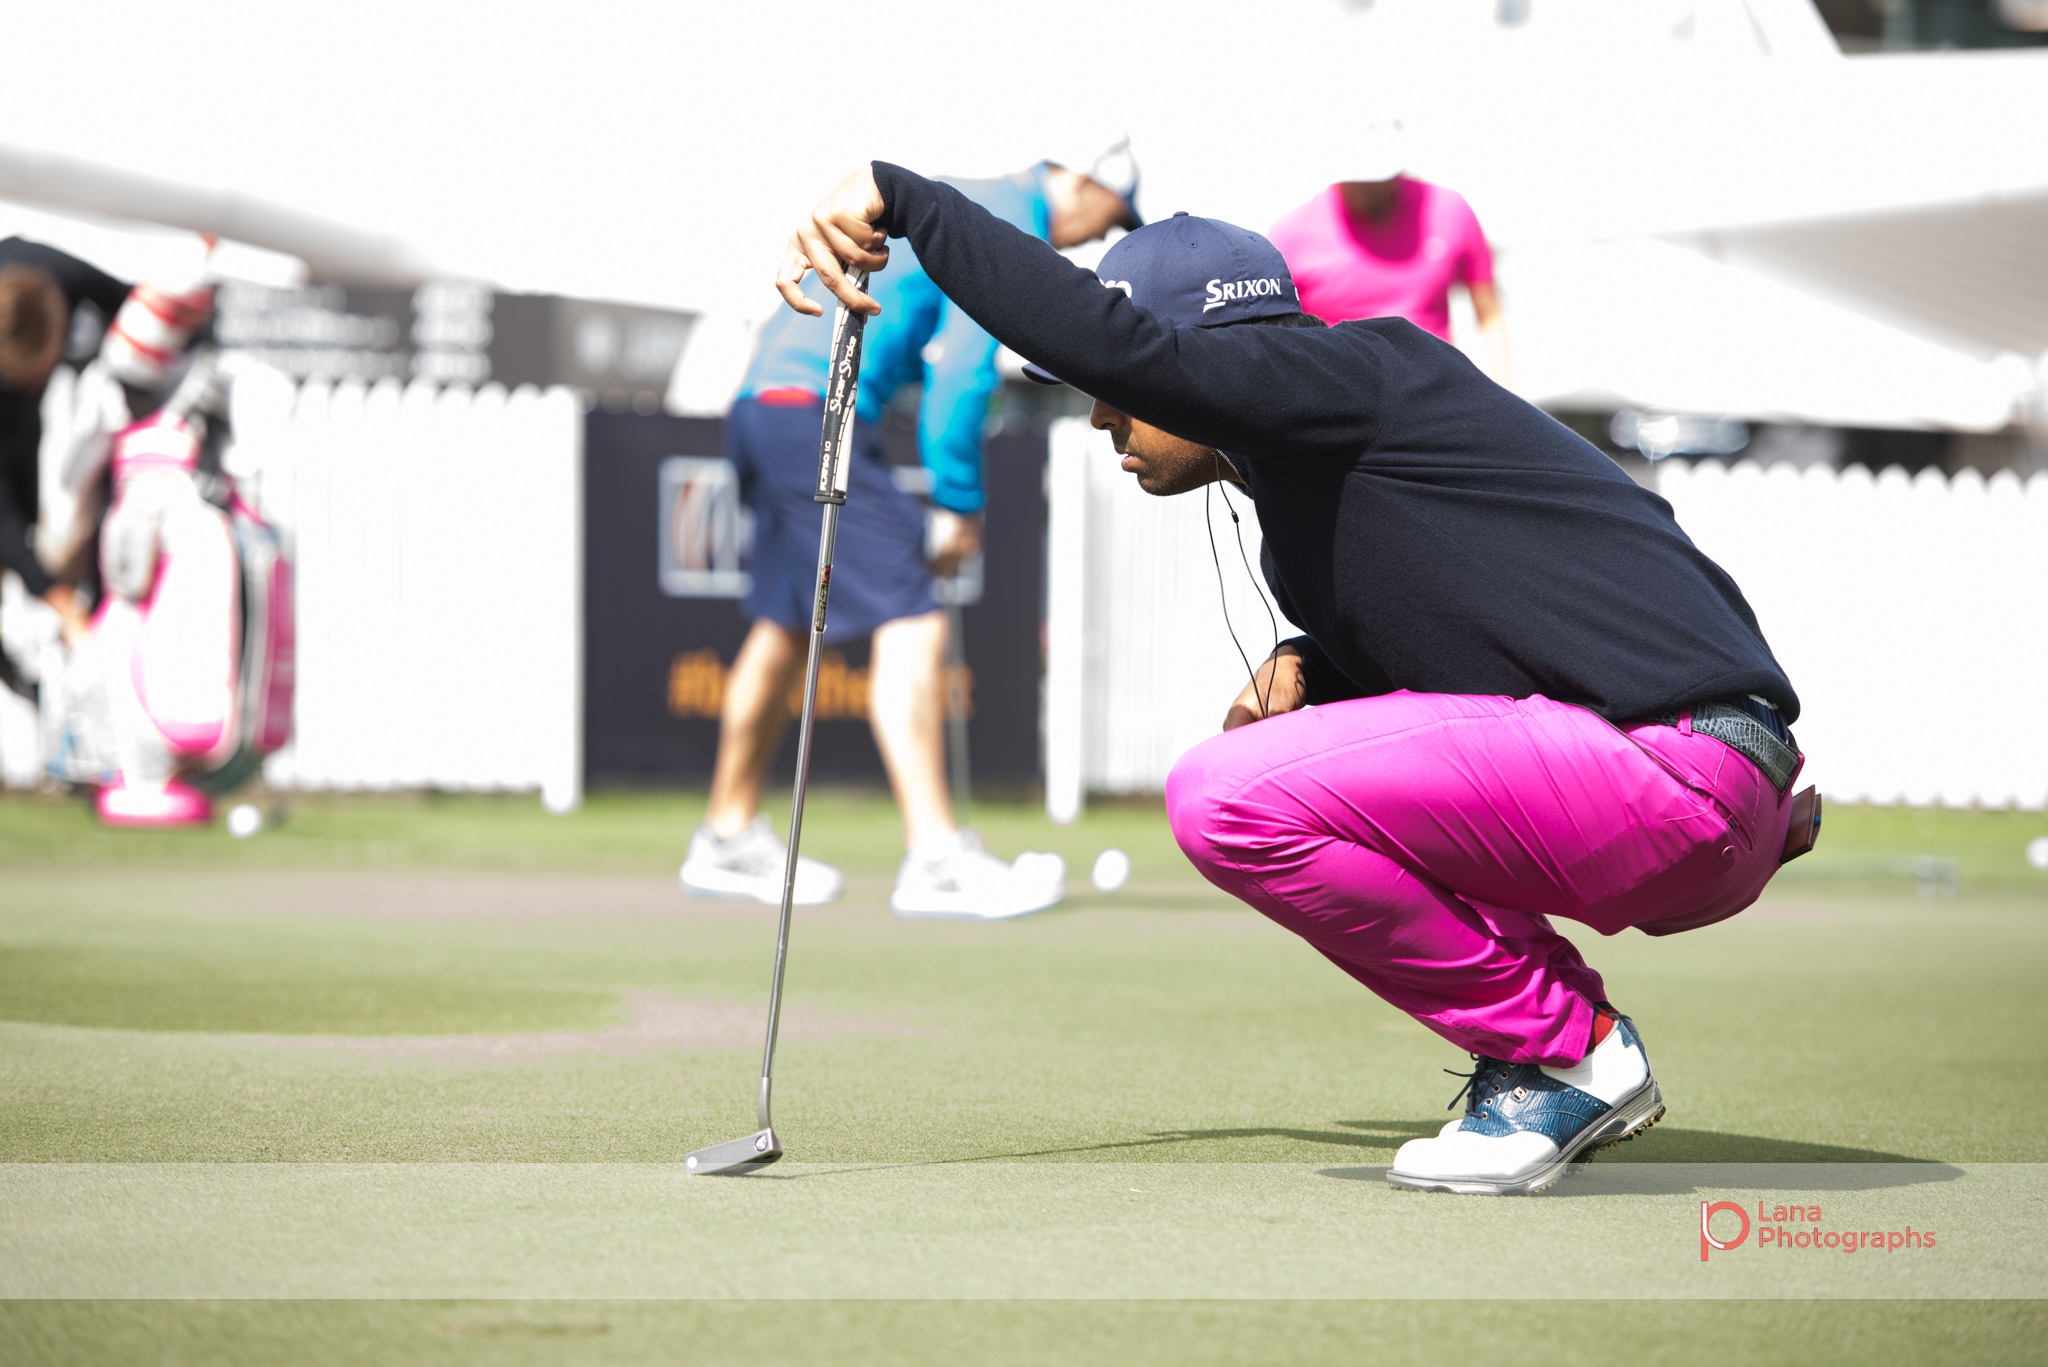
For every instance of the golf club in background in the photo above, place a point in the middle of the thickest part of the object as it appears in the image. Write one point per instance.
(955, 591)
(956, 705)
(835, 457)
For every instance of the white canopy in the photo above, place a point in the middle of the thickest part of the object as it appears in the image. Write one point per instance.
(1798, 233)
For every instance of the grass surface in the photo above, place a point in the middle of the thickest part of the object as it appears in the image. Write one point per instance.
(967, 1230)
(996, 1334)
(643, 833)
(620, 833)
(435, 979)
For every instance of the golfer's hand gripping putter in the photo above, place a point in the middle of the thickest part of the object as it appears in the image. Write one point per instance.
(835, 463)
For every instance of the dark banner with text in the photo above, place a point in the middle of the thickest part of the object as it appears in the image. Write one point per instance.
(665, 568)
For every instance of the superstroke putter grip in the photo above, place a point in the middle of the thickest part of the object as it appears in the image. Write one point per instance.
(842, 388)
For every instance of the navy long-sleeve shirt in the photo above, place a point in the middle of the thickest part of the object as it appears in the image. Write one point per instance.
(1428, 529)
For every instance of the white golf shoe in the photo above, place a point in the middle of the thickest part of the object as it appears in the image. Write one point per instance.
(957, 879)
(749, 867)
(1525, 1124)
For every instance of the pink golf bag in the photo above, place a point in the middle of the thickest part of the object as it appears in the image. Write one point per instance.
(188, 676)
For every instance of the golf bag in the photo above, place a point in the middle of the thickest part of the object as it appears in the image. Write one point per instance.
(185, 683)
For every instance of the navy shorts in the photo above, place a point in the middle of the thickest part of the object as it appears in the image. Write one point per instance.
(878, 567)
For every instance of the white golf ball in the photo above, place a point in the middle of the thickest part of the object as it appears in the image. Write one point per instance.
(244, 820)
(2037, 852)
(1112, 870)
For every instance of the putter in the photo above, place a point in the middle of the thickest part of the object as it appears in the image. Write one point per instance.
(835, 464)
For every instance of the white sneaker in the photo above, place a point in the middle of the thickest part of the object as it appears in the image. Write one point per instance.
(1526, 1124)
(749, 867)
(957, 879)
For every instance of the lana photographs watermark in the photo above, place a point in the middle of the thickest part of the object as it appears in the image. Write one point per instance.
(1799, 1226)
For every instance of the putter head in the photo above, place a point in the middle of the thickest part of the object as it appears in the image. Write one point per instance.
(735, 1156)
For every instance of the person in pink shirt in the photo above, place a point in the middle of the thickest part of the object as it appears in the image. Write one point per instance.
(1391, 246)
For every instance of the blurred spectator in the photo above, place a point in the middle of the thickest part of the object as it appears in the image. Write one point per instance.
(53, 308)
(882, 578)
(1386, 245)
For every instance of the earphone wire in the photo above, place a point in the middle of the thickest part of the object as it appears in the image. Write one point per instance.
(1272, 621)
(1265, 700)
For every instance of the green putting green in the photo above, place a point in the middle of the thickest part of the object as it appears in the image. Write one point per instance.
(465, 980)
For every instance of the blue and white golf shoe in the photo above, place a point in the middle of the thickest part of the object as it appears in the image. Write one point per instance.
(1525, 1124)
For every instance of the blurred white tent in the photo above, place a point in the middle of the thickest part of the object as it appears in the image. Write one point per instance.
(1851, 240)
(1707, 208)
(1637, 322)
(1861, 242)
(332, 249)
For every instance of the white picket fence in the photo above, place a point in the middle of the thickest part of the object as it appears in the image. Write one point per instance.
(438, 539)
(438, 542)
(1911, 615)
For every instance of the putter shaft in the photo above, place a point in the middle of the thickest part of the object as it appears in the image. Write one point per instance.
(828, 537)
(835, 456)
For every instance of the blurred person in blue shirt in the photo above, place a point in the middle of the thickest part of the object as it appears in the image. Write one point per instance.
(881, 578)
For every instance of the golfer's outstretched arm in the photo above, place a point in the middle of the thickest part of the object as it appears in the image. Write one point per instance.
(1275, 393)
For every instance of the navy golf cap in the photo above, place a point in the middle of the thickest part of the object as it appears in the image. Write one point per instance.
(1196, 273)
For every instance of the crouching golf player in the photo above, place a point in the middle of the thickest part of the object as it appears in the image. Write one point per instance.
(1522, 693)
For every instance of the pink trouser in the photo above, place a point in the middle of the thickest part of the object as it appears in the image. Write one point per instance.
(1421, 841)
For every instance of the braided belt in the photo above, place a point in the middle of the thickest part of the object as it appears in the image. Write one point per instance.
(1752, 731)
